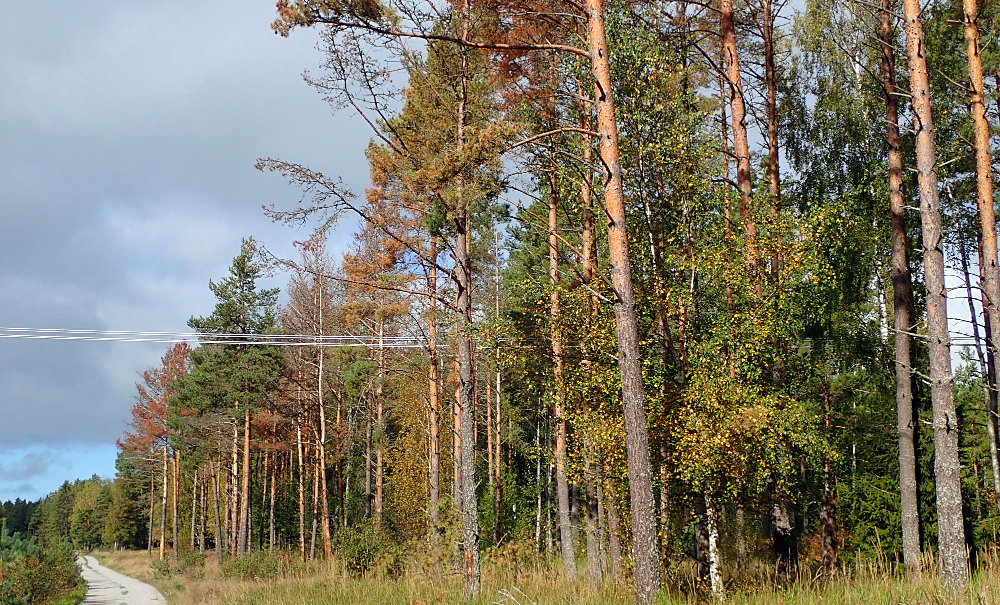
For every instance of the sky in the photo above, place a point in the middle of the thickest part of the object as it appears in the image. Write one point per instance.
(128, 136)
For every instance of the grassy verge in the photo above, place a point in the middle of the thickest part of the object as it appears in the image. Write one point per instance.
(508, 583)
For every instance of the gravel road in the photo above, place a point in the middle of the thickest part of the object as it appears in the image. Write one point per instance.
(108, 587)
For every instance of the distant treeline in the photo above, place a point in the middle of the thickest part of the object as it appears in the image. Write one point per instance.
(86, 514)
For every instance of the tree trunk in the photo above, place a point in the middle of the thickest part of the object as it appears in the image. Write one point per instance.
(741, 539)
(741, 146)
(434, 423)
(902, 299)
(203, 519)
(951, 532)
(562, 486)
(315, 503)
(219, 545)
(380, 429)
(463, 274)
(163, 507)
(176, 488)
(614, 542)
(270, 516)
(773, 168)
(194, 506)
(828, 510)
(233, 506)
(989, 270)
(302, 491)
(152, 508)
(498, 488)
(369, 500)
(595, 563)
(645, 559)
(714, 558)
(456, 449)
(244, 528)
(986, 368)
(321, 452)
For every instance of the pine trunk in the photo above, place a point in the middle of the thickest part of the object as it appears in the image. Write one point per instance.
(302, 491)
(562, 485)
(163, 507)
(738, 113)
(194, 507)
(644, 557)
(989, 270)
(244, 527)
(379, 424)
(219, 546)
(951, 531)
(902, 290)
(434, 423)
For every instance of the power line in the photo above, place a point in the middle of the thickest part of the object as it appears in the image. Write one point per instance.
(275, 340)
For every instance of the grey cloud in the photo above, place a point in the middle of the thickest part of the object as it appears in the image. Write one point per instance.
(32, 465)
(129, 133)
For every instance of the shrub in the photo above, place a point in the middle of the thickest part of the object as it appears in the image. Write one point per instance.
(260, 565)
(31, 575)
(364, 549)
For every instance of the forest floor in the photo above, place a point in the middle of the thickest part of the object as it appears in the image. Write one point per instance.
(867, 583)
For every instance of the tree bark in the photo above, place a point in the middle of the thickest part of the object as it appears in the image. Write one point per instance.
(434, 423)
(714, 556)
(302, 491)
(194, 506)
(152, 508)
(219, 546)
(233, 501)
(989, 270)
(176, 488)
(773, 167)
(645, 559)
(951, 532)
(595, 563)
(828, 510)
(163, 507)
(562, 485)
(244, 528)
(325, 521)
(380, 429)
(902, 299)
(463, 275)
(741, 146)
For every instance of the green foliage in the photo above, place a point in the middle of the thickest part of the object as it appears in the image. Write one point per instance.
(363, 550)
(33, 575)
(261, 565)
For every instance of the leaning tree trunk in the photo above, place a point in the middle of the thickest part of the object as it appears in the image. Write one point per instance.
(951, 532)
(644, 553)
(989, 272)
(902, 299)
(986, 368)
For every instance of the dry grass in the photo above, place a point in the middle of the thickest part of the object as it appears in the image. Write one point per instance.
(508, 581)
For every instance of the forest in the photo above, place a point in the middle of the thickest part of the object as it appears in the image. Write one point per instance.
(687, 297)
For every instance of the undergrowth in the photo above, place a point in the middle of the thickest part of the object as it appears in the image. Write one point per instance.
(513, 577)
